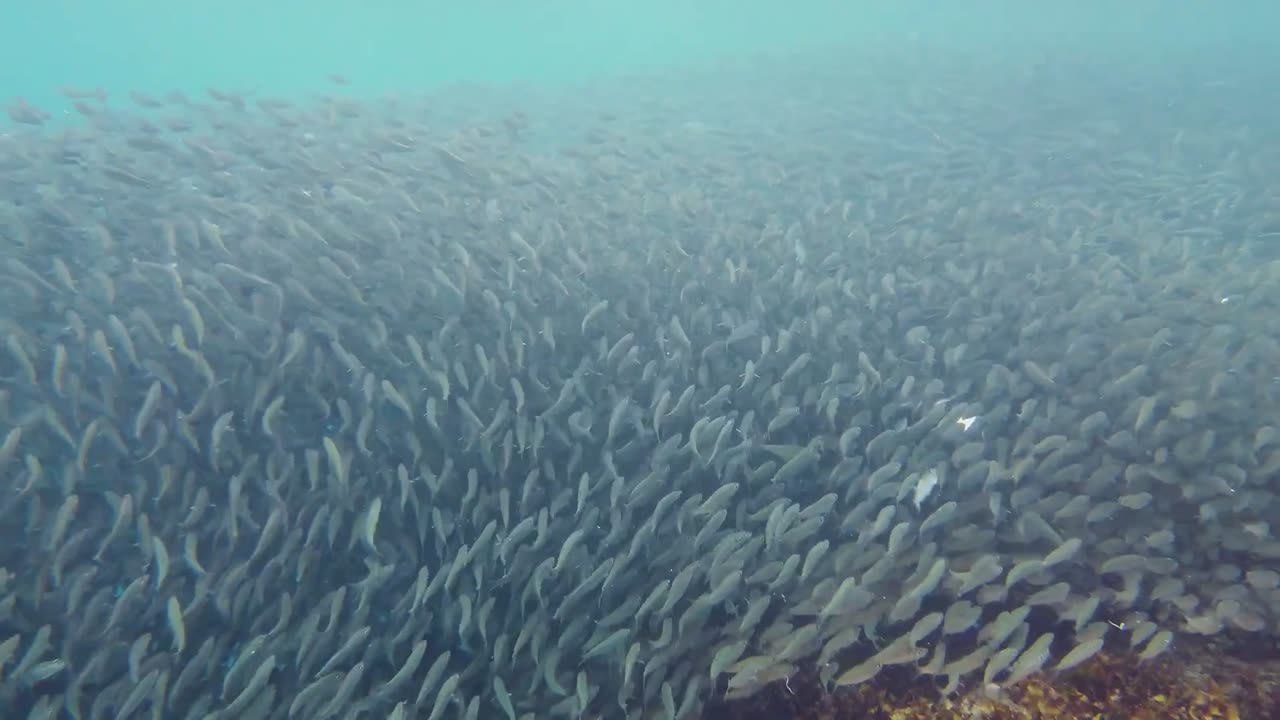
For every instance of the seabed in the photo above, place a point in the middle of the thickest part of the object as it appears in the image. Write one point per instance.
(1198, 680)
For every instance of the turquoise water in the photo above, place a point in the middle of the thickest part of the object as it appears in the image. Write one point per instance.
(289, 47)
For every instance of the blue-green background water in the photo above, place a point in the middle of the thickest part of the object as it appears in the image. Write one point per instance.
(288, 47)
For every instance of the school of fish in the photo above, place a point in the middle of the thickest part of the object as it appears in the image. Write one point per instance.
(347, 408)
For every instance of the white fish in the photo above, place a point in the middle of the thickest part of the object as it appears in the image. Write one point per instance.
(925, 486)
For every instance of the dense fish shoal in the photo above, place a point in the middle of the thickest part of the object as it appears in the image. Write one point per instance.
(627, 404)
